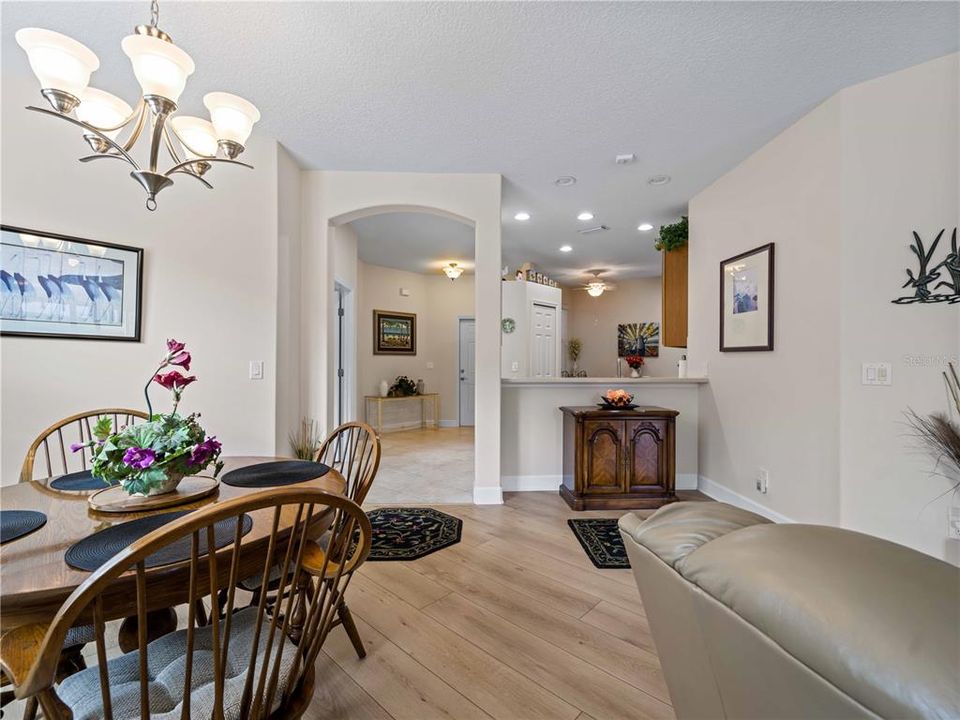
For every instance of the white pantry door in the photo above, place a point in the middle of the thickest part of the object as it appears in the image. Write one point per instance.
(543, 343)
(468, 370)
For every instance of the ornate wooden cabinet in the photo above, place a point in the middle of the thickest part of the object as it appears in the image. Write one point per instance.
(618, 459)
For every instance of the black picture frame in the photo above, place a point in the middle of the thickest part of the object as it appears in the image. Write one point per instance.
(137, 295)
(383, 346)
(768, 300)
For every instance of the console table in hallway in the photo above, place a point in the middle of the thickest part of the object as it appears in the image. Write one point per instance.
(373, 410)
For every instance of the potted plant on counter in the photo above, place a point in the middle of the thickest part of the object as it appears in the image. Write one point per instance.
(153, 457)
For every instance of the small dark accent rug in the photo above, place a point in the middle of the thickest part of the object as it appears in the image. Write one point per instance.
(95, 550)
(275, 473)
(601, 540)
(17, 523)
(79, 482)
(411, 533)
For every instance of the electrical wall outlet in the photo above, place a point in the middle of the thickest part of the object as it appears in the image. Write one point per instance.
(953, 522)
(763, 481)
(876, 373)
(429, 365)
(515, 366)
(256, 369)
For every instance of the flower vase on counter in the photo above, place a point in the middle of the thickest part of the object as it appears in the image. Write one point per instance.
(636, 365)
(384, 388)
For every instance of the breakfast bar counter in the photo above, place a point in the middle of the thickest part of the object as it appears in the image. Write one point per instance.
(531, 429)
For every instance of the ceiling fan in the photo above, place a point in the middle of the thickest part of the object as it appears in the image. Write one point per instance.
(596, 287)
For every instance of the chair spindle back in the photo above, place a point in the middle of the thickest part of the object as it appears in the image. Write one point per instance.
(353, 449)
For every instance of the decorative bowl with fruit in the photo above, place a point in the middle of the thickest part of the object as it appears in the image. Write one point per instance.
(617, 400)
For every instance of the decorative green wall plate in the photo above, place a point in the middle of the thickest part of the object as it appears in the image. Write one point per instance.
(508, 325)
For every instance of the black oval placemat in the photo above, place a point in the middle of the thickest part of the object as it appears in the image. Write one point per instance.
(274, 473)
(17, 523)
(95, 550)
(78, 481)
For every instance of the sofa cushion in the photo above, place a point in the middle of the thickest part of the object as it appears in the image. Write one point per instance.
(166, 665)
(676, 530)
(879, 621)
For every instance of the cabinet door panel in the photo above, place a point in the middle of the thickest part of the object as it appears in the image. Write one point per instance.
(646, 456)
(603, 457)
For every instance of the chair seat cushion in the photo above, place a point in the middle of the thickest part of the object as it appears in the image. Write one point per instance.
(676, 530)
(166, 663)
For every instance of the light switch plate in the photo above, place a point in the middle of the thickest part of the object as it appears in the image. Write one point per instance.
(876, 373)
(429, 365)
(256, 369)
(515, 366)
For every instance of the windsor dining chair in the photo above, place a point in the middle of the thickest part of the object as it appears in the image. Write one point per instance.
(76, 428)
(255, 663)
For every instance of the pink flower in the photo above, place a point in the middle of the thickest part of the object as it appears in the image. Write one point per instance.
(173, 380)
(182, 359)
(76, 447)
(174, 347)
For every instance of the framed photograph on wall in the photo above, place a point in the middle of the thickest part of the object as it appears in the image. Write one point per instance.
(60, 286)
(746, 301)
(394, 333)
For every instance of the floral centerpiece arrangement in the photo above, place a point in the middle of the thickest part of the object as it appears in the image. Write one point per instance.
(636, 363)
(153, 457)
(617, 398)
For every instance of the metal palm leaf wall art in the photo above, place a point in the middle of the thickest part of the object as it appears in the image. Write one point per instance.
(926, 275)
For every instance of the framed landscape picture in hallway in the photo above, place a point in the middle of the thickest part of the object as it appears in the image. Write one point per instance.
(394, 333)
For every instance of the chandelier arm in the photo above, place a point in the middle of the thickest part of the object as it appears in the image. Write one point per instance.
(176, 168)
(89, 128)
(169, 143)
(193, 175)
(126, 121)
(159, 121)
(138, 128)
(88, 158)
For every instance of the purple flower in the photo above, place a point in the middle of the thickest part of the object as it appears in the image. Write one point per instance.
(205, 451)
(77, 447)
(182, 359)
(140, 458)
(174, 380)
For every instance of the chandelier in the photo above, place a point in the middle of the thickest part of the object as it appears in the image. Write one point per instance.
(453, 270)
(112, 128)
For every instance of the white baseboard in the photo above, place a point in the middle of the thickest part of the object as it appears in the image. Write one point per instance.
(530, 483)
(724, 494)
(487, 495)
(688, 481)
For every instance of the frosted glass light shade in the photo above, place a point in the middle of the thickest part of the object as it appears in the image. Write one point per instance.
(59, 62)
(103, 110)
(595, 289)
(197, 136)
(232, 116)
(161, 67)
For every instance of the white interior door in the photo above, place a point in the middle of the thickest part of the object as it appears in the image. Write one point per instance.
(543, 343)
(468, 370)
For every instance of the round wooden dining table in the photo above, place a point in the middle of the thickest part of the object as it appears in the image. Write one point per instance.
(35, 580)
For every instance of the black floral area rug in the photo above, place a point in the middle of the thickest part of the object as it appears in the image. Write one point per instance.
(601, 540)
(411, 533)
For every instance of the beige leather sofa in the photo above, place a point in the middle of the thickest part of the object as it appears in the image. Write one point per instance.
(757, 620)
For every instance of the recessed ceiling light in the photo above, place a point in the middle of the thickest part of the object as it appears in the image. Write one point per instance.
(659, 180)
(585, 216)
(644, 227)
(565, 181)
(522, 216)
(565, 248)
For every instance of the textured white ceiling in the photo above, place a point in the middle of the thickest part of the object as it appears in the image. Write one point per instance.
(416, 242)
(530, 90)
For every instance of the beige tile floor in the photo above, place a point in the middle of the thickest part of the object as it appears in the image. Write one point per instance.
(425, 466)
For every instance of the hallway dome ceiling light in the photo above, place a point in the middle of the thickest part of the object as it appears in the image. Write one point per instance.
(63, 66)
(595, 289)
(453, 270)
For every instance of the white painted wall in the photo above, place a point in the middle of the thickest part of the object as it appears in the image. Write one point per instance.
(839, 193)
(289, 410)
(595, 319)
(210, 279)
(335, 198)
(518, 297)
(437, 303)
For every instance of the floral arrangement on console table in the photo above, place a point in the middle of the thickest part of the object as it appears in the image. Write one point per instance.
(402, 387)
(636, 364)
(153, 457)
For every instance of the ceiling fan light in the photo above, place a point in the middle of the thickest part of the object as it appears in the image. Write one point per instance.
(196, 135)
(59, 62)
(103, 111)
(595, 289)
(232, 116)
(453, 271)
(160, 67)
